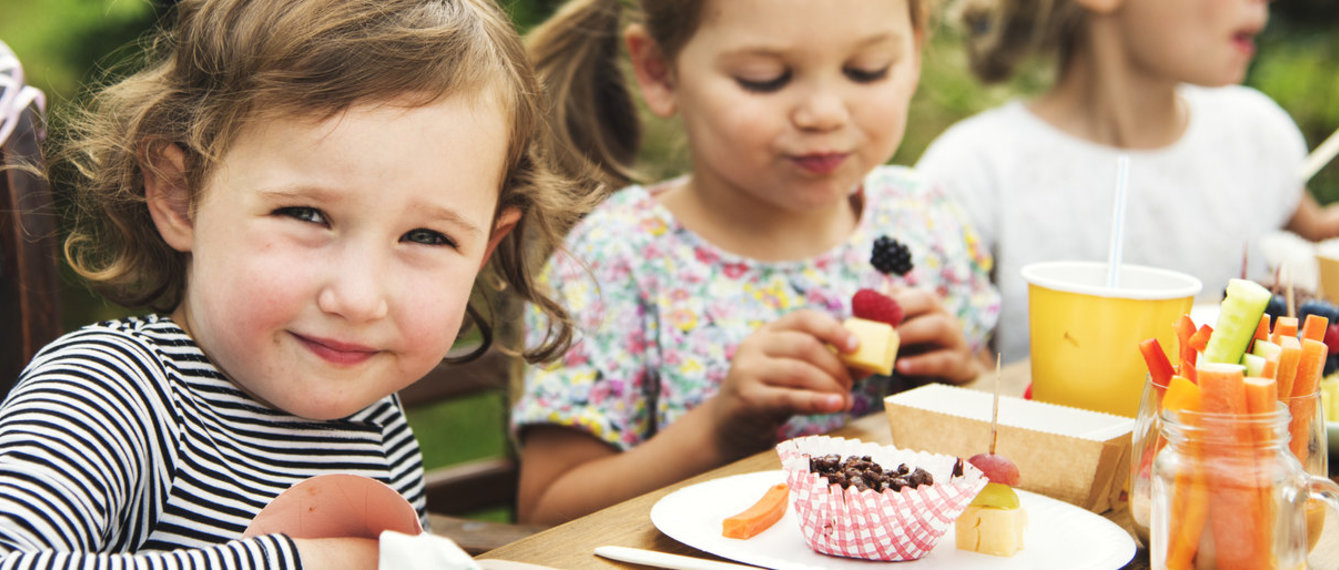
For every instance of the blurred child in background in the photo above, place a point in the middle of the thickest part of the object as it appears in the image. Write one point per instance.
(1213, 165)
(709, 305)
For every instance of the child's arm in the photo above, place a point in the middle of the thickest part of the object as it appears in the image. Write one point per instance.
(338, 553)
(783, 369)
(1313, 221)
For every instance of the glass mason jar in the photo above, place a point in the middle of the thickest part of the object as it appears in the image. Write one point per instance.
(1148, 440)
(1228, 493)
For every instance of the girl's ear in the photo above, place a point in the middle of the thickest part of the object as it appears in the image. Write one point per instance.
(506, 221)
(654, 74)
(168, 196)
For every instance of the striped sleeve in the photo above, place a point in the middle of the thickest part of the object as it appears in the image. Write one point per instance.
(86, 441)
(273, 551)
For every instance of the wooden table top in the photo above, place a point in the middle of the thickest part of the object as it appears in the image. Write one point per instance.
(572, 545)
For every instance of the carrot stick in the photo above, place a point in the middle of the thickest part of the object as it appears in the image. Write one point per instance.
(1283, 326)
(1262, 329)
(1200, 339)
(1303, 410)
(1309, 369)
(1190, 490)
(1270, 352)
(1262, 395)
(1224, 391)
(760, 516)
(1159, 366)
(1185, 328)
(1237, 520)
(1190, 498)
(1271, 370)
(1314, 327)
(1290, 354)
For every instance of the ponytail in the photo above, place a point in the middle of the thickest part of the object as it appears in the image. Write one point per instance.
(1002, 34)
(576, 53)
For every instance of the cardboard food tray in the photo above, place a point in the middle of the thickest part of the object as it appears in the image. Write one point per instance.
(1074, 455)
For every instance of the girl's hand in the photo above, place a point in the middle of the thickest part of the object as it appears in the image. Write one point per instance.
(783, 369)
(933, 345)
(338, 553)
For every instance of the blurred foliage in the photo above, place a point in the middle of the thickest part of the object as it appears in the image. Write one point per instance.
(60, 42)
(1299, 67)
(68, 44)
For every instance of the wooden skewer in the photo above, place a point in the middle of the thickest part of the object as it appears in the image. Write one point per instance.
(1288, 288)
(995, 410)
(1319, 157)
(1244, 248)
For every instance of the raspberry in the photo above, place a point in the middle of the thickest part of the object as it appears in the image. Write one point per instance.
(875, 306)
(891, 256)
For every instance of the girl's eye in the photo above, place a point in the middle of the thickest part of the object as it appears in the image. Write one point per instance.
(764, 86)
(427, 237)
(303, 213)
(866, 76)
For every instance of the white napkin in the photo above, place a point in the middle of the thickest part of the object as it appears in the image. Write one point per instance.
(424, 551)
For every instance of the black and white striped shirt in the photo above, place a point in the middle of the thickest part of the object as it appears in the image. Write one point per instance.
(122, 446)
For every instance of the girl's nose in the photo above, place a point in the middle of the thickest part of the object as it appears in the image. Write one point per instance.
(356, 287)
(821, 109)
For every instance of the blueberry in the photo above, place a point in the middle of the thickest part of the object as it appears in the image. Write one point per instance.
(1312, 307)
(1331, 311)
(1278, 307)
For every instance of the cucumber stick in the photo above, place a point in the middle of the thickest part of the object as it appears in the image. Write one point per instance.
(1238, 317)
(1255, 364)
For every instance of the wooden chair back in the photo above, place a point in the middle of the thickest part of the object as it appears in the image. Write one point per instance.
(29, 286)
(467, 488)
(482, 484)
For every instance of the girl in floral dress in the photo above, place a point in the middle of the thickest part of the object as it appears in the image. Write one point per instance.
(709, 307)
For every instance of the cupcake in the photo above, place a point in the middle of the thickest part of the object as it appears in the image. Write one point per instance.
(896, 511)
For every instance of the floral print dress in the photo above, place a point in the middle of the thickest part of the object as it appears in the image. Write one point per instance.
(660, 311)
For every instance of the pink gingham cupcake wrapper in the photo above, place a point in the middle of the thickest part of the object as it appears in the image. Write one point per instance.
(887, 526)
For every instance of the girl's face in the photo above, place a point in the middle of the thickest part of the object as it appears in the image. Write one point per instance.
(793, 102)
(1203, 42)
(331, 261)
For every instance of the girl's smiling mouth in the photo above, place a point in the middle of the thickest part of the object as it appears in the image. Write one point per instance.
(336, 352)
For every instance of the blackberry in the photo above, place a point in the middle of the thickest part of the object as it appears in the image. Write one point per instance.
(891, 256)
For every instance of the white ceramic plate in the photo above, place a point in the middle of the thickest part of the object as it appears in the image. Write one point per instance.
(1058, 535)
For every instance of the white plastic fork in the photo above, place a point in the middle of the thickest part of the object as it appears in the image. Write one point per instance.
(665, 560)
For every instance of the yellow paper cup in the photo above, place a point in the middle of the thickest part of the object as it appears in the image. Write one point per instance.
(1085, 335)
(1328, 267)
